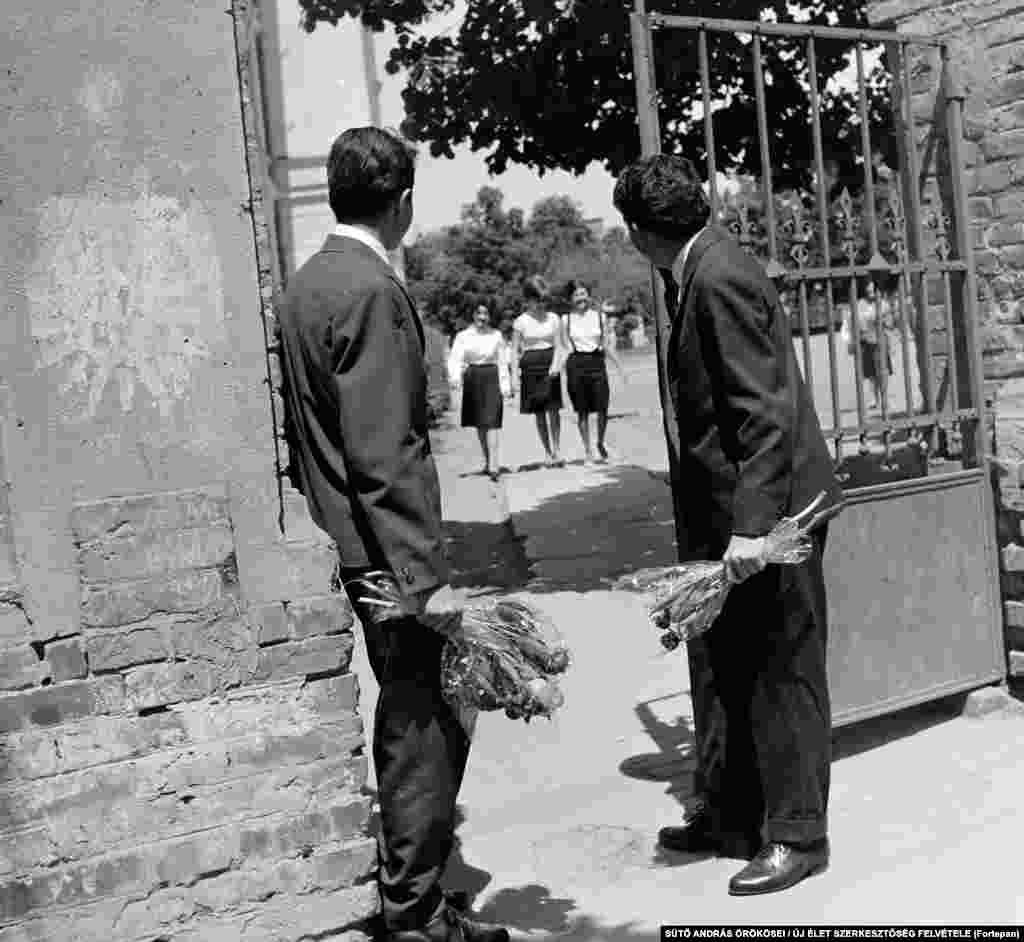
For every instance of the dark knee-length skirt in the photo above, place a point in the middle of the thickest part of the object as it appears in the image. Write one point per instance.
(482, 405)
(587, 379)
(869, 357)
(538, 392)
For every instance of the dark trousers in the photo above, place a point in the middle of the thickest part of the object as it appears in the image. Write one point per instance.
(761, 706)
(419, 753)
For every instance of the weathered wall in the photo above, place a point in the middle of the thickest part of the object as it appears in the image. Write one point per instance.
(180, 753)
(986, 40)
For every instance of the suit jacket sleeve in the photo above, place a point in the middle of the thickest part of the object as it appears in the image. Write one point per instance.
(375, 352)
(747, 363)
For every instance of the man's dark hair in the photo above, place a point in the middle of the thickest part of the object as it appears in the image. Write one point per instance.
(663, 194)
(368, 168)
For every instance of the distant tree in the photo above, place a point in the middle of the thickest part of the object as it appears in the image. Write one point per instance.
(484, 259)
(611, 269)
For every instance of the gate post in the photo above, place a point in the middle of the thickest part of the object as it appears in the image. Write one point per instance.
(953, 99)
(650, 143)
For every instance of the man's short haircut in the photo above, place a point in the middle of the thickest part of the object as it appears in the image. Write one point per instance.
(664, 195)
(367, 170)
(535, 288)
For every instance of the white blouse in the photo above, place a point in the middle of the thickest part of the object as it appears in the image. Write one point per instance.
(475, 347)
(537, 334)
(586, 331)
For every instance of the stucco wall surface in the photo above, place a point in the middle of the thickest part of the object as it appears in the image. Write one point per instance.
(180, 752)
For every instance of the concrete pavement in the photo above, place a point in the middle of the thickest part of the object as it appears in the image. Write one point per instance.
(560, 817)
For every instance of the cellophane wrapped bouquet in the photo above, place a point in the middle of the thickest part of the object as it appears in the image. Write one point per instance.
(499, 654)
(686, 599)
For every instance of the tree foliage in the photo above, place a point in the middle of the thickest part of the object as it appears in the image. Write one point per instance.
(549, 83)
(485, 257)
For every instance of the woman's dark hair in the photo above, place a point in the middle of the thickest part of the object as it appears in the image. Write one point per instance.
(864, 281)
(535, 288)
(663, 194)
(367, 170)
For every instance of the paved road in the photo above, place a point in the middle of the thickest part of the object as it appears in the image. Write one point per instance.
(560, 817)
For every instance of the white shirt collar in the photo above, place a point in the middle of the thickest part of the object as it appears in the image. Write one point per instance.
(680, 263)
(367, 238)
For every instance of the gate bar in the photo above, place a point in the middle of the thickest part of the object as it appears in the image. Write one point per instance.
(819, 171)
(709, 130)
(650, 143)
(865, 149)
(881, 338)
(792, 30)
(920, 281)
(852, 271)
(898, 217)
(895, 424)
(773, 267)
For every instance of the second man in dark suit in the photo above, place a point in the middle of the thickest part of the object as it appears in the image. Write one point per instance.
(747, 451)
(356, 410)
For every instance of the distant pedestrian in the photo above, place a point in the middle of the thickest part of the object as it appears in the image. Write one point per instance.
(537, 348)
(873, 315)
(479, 365)
(587, 337)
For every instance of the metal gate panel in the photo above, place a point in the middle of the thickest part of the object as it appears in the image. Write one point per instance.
(913, 595)
(912, 564)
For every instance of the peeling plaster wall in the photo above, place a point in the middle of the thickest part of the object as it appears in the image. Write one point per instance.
(179, 739)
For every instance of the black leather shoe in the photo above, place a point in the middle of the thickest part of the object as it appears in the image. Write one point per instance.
(698, 836)
(451, 926)
(778, 867)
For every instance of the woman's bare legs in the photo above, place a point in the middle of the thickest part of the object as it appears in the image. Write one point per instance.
(485, 447)
(583, 424)
(555, 421)
(602, 427)
(493, 449)
(542, 430)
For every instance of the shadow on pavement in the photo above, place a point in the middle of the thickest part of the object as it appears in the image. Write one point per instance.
(675, 761)
(852, 740)
(582, 540)
(486, 555)
(528, 908)
(525, 908)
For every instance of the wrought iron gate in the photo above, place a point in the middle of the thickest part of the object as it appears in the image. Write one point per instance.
(912, 567)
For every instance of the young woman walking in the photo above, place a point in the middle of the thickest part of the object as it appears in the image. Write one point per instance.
(479, 365)
(537, 348)
(586, 334)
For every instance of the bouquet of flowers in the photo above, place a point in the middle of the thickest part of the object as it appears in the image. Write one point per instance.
(686, 599)
(499, 654)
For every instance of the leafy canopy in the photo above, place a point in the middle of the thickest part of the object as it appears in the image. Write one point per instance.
(549, 83)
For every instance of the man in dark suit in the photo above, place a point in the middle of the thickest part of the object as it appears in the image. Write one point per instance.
(746, 450)
(356, 409)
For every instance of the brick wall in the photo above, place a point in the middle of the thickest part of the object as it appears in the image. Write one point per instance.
(987, 44)
(181, 755)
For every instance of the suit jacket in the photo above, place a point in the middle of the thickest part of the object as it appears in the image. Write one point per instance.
(355, 390)
(749, 446)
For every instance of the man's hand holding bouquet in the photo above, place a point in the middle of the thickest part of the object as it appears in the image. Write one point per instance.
(686, 599)
(499, 654)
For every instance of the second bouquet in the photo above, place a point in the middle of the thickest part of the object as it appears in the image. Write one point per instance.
(685, 600)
